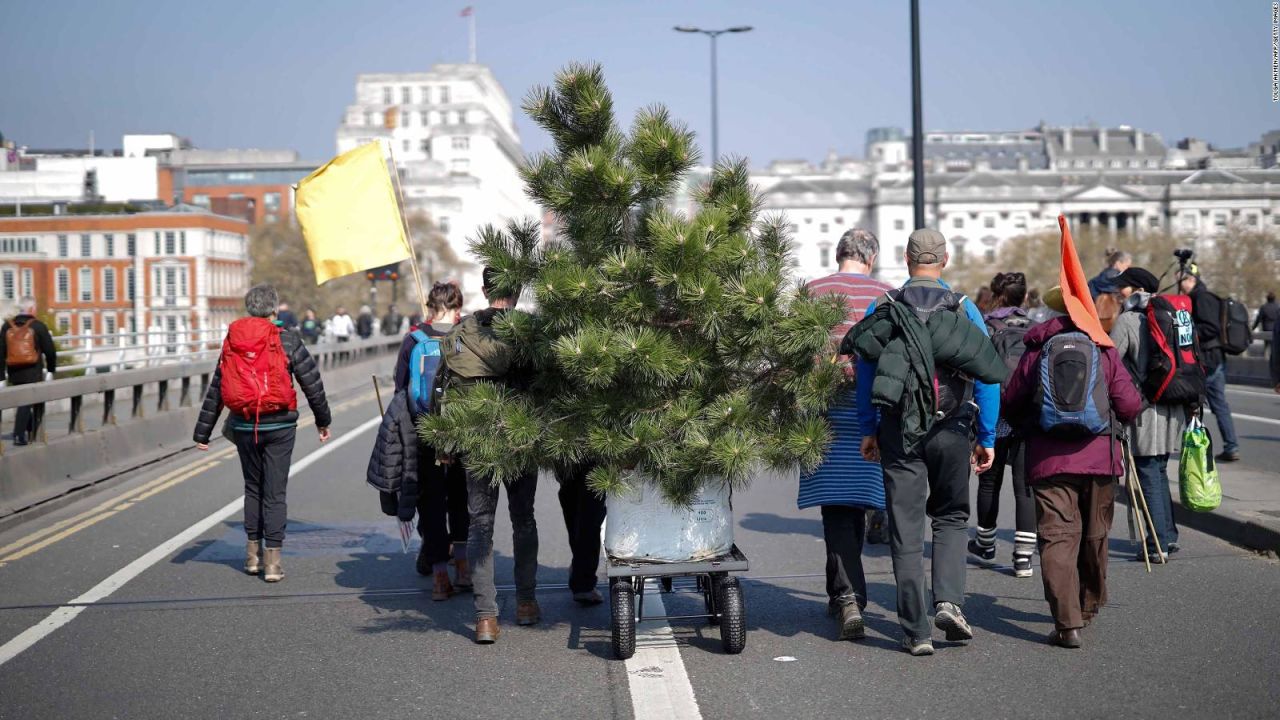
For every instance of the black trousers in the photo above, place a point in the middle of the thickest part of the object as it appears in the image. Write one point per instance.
(442, 505)
(1011, 453)
(583, 517)
(843, 529)
(28, 417)
(265, 463)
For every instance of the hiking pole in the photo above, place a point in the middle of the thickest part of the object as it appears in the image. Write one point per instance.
(1146, 511)
(1134, 489)
(378, 392)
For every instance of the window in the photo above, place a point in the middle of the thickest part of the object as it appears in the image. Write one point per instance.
(130, 285)
(109, 241)
(405, 144)
(444, 94)
(823, 228)
(62, 246)
(958, 223)
(824, 255)
(792, 228)
(157, 249)
(1189, 221)
(28, 282)
(443, 223)
(368, 120)
(18, 245)
(426, 95)
(109, 284)
(170, 243)
(109, 328)
(86, 245)
(989, 221)
(839, 220)
(462, 143)
(1020, 222)
(1153, 221)
(182, 242)
(201, 199)
(406, 98)
(86, 284)
(64, 323)
(1220, 220)
(131, 245)
(86, 324)
(899, 225)
(1251, 220)
(1275, 218)
(990, 255)
(8, 285)
(459, 166)
(386, 96)
(62, 278)
(424, 146)
(271, 201)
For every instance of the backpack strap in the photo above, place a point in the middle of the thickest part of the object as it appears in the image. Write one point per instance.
(419, 336)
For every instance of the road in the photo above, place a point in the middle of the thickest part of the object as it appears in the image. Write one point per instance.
(166, 626)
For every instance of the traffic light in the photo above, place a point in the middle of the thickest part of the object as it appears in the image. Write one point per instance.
(386, 272)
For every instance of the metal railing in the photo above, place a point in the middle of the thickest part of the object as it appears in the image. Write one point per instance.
(113, 352)
(181, 379)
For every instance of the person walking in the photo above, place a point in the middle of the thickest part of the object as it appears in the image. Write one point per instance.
(310, 327)
(1157, 431)
(286, 318)
(437, 492)
(27, 355)
(473, 352)
(845, 487)
(392, 321)
(364, 322)
(584, 512)
(264, 419)
(1275, 357)
(924, 434)
(1072, 470)
(1206, 310)
(342, 326)
(1105, 282)
(1267, 317)
(1008, 324)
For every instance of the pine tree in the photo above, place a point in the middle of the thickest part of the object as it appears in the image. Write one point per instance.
(664, 348)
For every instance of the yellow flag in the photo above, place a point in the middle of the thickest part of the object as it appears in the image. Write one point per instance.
(349, 215)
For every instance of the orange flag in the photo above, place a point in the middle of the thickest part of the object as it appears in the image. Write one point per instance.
(1075, 291)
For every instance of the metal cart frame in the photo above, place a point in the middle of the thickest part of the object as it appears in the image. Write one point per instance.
(721, 596)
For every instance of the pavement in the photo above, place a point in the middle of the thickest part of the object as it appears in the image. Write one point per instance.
(130, 604)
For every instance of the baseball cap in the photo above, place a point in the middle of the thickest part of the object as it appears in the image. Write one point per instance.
(926, 247)
(1193, 270)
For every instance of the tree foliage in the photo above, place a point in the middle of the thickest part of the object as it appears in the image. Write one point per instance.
(664, 347)
(1243, 262)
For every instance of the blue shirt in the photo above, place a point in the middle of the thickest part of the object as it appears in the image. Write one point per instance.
(986, 395)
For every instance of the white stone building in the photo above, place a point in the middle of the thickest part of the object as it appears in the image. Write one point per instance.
(453, 137)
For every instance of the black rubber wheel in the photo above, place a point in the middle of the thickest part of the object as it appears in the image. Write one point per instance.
(733, 616)
(708, 586)
(624, 618)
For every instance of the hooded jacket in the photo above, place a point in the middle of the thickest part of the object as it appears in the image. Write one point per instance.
(393, 465)
(1049, 456)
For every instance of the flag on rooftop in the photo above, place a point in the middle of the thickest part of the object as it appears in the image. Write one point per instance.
(350, 215)
(466, 11)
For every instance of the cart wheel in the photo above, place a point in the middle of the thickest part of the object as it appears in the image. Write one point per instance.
(733, 621)
(666, 583)
(624, 618)
(708, 586)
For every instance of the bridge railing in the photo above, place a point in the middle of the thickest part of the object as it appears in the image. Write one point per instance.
(178, 382)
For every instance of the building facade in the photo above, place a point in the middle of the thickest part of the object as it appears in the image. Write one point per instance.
(255, 184)
(453, 139)
(175, 270)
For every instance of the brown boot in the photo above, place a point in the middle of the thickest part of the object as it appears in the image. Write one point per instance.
(528, 613)
(486, 630)
(461, 575)
(253, 557)
(274, 571)
(442, 589)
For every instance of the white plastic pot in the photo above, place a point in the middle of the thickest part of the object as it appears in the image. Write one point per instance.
(641, 525)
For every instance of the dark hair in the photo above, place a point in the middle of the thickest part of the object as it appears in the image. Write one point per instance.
(985, 300)
(1010, 289)
(1271, 297)
(1033, 298)
(444, 296)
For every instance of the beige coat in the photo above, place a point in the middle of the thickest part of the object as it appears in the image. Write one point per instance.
(1158, 429)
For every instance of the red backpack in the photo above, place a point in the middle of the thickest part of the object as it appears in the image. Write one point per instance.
(255, 370)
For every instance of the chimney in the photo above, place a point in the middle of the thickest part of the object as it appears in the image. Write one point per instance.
(1137, 141)
(1066, 139)
(1102, 140)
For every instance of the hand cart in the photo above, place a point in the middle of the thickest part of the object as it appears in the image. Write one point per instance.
(721, 596)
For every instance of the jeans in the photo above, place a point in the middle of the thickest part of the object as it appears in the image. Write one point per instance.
(482, 503)
(583, 517)
(1215, 389)
(931, 479)
(1153, 476)
(442, 505)
(842, 530)
(1010, 452)
(265, 462)
(1074, 515)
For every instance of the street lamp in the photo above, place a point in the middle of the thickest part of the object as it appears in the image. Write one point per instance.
(917, 121)
(715, 122)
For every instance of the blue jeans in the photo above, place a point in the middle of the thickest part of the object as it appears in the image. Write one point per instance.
(1215, 388)
(1153, 476)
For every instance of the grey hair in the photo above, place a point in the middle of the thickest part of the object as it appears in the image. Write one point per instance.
(857, 244)
(261, 301)
(27, 305)
(1118, 256)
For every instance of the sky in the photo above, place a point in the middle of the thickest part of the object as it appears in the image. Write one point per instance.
(811, 78)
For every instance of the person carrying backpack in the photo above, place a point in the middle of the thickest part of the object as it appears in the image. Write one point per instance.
(27, 355)
(1008, 324)
(254, 381)
(1157, 431)
(1208, 310)
(435, 492)
(925, 361)
(1065, 396)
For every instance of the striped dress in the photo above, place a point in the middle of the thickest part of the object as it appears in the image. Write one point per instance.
(844, 478)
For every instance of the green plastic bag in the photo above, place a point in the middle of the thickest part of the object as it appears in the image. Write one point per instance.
(1198, 483)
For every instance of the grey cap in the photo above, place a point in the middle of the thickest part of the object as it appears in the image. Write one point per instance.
(926, 247)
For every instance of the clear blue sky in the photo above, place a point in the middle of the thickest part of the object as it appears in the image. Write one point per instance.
(813, 76)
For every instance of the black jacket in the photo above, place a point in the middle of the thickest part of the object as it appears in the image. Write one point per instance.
(393, 466)
(44, 345)
(1268, 315)
(1206, 309)
(303, 368)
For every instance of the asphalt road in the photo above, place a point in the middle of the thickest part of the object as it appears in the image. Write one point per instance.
(352, 631)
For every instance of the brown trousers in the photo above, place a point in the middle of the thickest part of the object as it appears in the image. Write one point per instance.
(1073, 515)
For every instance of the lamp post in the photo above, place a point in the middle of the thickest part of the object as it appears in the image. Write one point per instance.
(917, 121)
(715, 122)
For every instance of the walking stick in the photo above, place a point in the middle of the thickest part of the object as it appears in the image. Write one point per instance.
(378, 392)
(1129, 478)
(1145, 513)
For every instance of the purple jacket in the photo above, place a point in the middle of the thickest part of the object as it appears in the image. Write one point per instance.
(1050, 456)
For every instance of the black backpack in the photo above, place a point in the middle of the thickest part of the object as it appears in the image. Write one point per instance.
(1173, 375)
(1236, 336)
(955, 389)
(1009, 334)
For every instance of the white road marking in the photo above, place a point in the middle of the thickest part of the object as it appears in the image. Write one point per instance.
(1251, 418)
(117, 580)
(660, 688)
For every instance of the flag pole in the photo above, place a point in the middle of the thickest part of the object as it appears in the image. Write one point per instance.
(408, 236)
(471, 18)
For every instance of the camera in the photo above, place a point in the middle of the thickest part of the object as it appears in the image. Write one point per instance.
(1183, 254)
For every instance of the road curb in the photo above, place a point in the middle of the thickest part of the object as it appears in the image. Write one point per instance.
(1244, 529)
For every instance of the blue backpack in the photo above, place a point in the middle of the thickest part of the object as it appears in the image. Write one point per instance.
(1073, 396)
(424, 363)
